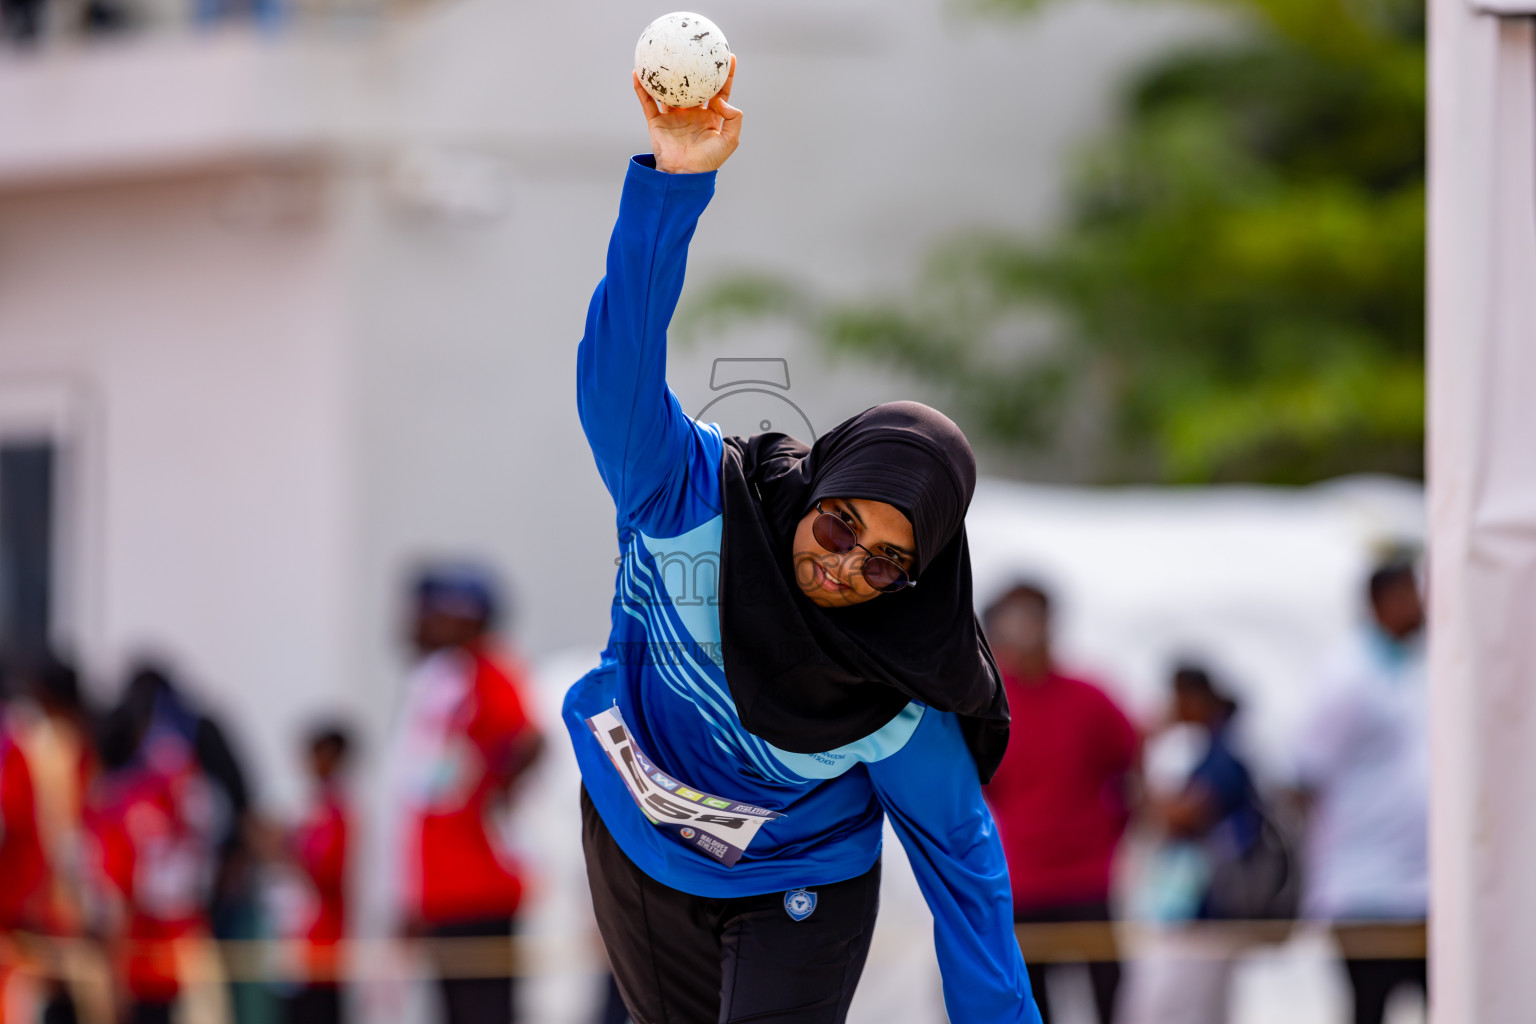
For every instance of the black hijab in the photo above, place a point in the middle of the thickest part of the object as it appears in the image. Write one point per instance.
(809, 679)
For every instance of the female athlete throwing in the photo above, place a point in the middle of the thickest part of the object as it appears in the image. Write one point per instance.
(793, 656)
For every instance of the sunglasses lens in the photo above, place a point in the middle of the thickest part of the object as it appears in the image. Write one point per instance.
(833, 534)
(884, 574)
(838, 537)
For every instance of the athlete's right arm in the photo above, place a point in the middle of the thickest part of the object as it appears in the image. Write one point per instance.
(646, 447)
(932, 796)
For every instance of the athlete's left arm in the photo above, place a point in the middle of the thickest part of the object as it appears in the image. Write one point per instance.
(932, 793)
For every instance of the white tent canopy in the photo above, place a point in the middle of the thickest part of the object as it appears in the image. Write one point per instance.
(1258, 583)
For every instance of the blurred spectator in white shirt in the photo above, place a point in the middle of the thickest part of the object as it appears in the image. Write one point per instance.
(1363, 770)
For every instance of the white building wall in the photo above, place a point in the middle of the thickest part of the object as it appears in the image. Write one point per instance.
(207, 354)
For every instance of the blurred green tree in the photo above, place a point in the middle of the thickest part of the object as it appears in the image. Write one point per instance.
(1238, 292)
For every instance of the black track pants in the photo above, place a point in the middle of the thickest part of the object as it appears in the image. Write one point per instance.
(683, 959)
(314, 1004)
(1374, 981)
(485, 1000)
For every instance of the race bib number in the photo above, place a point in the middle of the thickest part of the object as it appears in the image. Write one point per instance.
(718, 827)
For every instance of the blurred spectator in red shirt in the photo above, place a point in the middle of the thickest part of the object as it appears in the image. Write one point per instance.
(23, 865)
(24, 875)
(24, 878)
(52, 726)
(318, 848)
(155, 701)
(464, 737)
(1059, 796)
(153, 816)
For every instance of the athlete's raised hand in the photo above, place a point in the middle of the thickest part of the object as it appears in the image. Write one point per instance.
(691, 140)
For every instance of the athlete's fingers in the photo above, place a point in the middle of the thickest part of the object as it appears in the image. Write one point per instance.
(647, 102)
(730, 78)
(730, 120)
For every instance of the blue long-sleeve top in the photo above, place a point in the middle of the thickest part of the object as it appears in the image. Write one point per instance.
(663, 669)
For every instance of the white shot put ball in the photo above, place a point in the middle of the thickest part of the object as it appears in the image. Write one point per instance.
(683, 59)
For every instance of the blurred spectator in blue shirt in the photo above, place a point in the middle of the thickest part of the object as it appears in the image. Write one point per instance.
(1211, 822)
(1217, 806)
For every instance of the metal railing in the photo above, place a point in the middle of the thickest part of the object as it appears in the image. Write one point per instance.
(367, 959)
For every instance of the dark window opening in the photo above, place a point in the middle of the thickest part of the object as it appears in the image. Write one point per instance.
(26, 546)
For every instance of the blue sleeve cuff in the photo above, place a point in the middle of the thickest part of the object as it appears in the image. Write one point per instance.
(642, 171)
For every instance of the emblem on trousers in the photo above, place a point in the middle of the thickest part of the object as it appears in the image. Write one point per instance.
(799, 904)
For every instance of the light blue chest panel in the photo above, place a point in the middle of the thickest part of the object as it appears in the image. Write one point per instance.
(877, 746)
(672, 585)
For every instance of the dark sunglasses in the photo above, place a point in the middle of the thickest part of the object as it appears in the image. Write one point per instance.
(884, 574)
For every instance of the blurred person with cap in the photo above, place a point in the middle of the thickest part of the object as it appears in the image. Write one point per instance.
(1060, 796)
(269, 15)
(463, 739)
(1362, 766)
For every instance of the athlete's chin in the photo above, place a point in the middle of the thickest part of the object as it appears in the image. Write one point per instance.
(821, 597)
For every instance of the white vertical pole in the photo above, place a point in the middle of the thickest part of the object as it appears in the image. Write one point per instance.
(1482, 490)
